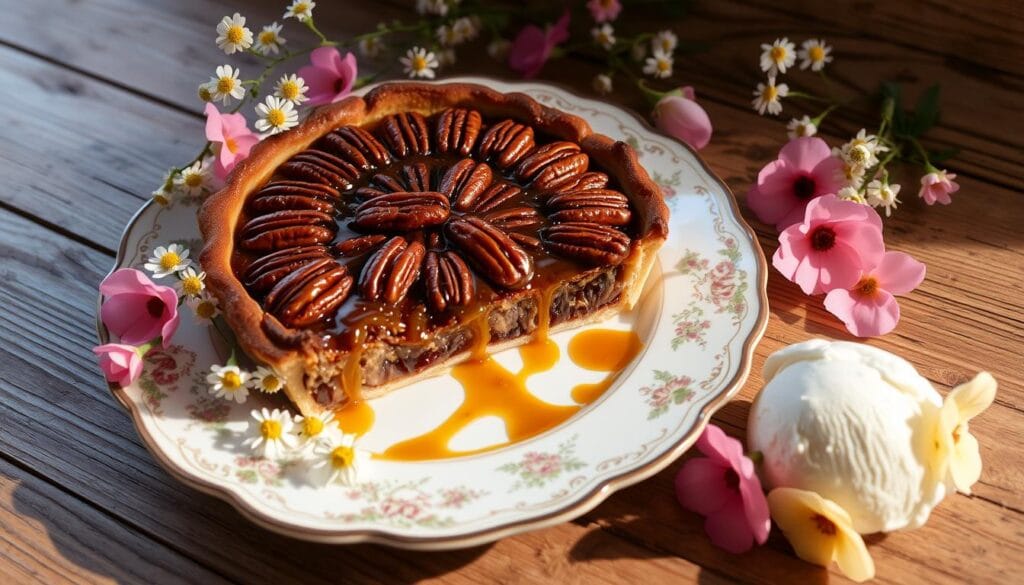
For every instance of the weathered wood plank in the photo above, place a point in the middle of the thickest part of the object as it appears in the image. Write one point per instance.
(49, 536)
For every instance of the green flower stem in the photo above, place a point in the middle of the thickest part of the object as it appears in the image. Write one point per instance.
(324, 42)
(233, 358)
(925, 159)
(821, 117)
(809, 96)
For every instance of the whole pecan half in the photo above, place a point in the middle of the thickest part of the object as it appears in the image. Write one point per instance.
(406, 134)
(515, 217)
(495, 255)
(449, 282)
(505, 143)
(357, 146)
(359, 245)
(263, 203)
(494, 196)
(589, 243)
(309, 294)
(603, 206)
(320, 167)
(457, 130)
(402, 211)
(586, 181)
(391, 270)
(286, 187)
(552, 165)
(416, 177)
(286, 229)
(264, 273)
(465, 181)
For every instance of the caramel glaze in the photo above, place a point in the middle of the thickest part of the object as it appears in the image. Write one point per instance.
(492, 390)
(348, 239)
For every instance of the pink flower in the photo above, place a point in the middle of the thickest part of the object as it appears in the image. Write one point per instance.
(804, 170)
(682, 117)
(832, 246)
(136, 310)
(937, 186)
(232, 135)
(724, 489)
(604, 10)
(120, 363)
(533, 46)
(869, 308)
(329, 76)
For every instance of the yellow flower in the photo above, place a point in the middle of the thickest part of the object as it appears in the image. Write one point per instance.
(820, 532)
(956, 450)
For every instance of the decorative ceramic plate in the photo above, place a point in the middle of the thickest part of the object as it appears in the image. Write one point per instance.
(703, 311)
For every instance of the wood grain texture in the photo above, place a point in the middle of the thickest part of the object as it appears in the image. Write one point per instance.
(90, 142)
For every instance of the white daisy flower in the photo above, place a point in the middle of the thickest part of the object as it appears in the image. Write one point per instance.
(371, 46)
(206, 90)
(767, 96)
(338, 460)
(168, 260)
(309, 430)
(446, 36)
(604, 36)
(270, 40)
(266, 380)
(664, 41)
(814, 53)
(498, 49)
(466, 28)
(778, 56)
(862, 150)
(204, 307)
(436, 7)
(194, 180)
(164, 194)
(226, 84)
(446, 57)
(301, 10)
(638, 52)
(419, 62)
(291, 88)
(882, 194)
(276, 115)
(659, 65)
(849, 193)
(852, 174)
(191, 283)
(228, 382)
(602, 84)
(801, 127)
(271, 434)
(232, 34)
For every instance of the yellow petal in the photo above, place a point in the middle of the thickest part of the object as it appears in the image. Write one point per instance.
(852, 556)
(972, 398)
(965, 462)
(795, 512)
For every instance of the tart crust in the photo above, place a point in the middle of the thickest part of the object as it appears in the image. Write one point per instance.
(294, 352)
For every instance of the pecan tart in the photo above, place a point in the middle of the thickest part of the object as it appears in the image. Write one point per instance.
(389, 237)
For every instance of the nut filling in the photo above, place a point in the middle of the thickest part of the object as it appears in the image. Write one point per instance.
(404, 244)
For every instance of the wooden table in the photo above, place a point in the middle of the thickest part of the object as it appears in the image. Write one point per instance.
(98, 99)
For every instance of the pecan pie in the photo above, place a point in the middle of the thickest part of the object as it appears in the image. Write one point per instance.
(389, 237)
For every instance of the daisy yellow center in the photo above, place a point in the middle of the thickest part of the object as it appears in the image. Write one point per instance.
(169, 260)
(276, 117)
(204, 93)
(191, 285)
(666, 45)
(867, 287)
(225, 84)
(235, 34)
(231, 381)
(771, 93)
(778, 54)
(859, 154)
(300, 9)
(271, 384)
(268, 37)
(816, 53)
(205, 310)
(824, 525)
(270, 429)
(663, 65)
(312, 426)
(419, 63)
(193, 179)
(342, 457)
(289, 90)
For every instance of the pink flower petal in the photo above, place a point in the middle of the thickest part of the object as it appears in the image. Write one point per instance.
(755, 505)
(805, 152)
(684, 119)
(899, 273)
(864, 316)
(128, 318)
(720, 447)
(828, 176)
(560, 32)
(326, 58)
(700, 486)
(729, 528)
(840, 267)
(126, 280)
(214, 126)
(863, 239)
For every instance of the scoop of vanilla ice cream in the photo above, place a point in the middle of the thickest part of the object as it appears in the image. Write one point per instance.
(852, 423)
